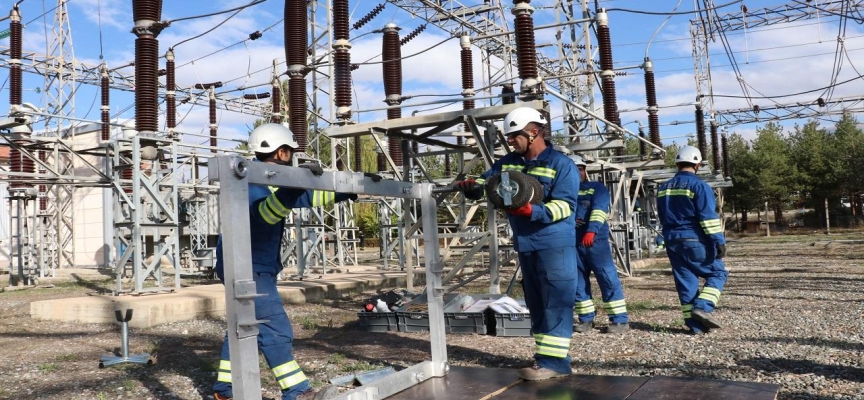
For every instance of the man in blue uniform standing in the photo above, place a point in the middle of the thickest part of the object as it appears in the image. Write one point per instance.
(544, 237)
(275, 144)
(595, 255)
(694, 241)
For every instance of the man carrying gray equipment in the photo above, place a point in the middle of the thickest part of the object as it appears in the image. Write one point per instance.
(544, 230)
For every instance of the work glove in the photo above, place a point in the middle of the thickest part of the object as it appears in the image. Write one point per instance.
(721, 251)
(472, 189)
(314, 168)
(340, 197)
(524, 211)
(588, 239)
(374, 177)
(466, 185)
(580, 222)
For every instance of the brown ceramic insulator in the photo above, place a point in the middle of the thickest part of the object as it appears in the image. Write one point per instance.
(508, 94)
(382, 162)
(654, 128)
(610, 102)
(213, 141)
(127, 175)
(604, 40)
(276, 116)
(700, 131)
(416, 32)
(651, 99)
(297, 109)
(105, 87)
(43, 189)
(610, 99)
(392, 67)
(16, 90)
(358, 154)
(171, 86)
(467, 76)
(146, 90)
(725, 157)
(147, 10)
(526, 51)
(18, 162)
(394, 144)
(715, 147)
(296, 32)
(342, 73)
(256, 96)
(341, 17)
(448, 172)
(368, 17)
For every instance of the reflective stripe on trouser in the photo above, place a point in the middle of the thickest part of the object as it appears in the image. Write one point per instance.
(691, 260)
(549, 282)
(598, 259)
(275, 341)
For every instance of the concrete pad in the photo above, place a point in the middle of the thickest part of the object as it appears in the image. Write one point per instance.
(204, 301)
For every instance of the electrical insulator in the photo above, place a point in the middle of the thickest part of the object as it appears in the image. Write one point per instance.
(368, 17)
(715, 147)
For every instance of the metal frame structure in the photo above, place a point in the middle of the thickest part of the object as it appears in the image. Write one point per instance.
(235, 174)
(704, 31)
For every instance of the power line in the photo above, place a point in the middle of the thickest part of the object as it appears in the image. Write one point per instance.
(673, 13)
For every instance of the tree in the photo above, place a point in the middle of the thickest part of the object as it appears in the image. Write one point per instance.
(776, 174)
(742, 168)
(813, 152)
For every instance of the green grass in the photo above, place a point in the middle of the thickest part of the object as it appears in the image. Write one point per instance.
(48, 367)
(69, 358)
(129, 384)
(643, 305)
(345, 365)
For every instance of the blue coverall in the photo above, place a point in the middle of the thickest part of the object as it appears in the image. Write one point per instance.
(593, 207)
(692, 230)
(267, 211)
(547, 252)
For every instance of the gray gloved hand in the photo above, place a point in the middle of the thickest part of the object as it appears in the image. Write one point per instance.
(374, 177)
(721, 251)
(314, 168)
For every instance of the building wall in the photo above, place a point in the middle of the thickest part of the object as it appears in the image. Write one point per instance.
(87, 205)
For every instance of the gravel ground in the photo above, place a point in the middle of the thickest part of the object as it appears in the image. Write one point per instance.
(793, 315)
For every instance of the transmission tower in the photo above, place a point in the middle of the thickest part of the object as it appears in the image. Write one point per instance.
(56, 213)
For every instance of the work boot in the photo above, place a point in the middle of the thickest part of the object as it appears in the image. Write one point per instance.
(705, 318)
(538, 373)
(217, 396)
(582, 327)
(327, 392)
(618, 328)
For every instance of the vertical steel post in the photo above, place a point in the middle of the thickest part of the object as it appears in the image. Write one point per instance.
(239, 285)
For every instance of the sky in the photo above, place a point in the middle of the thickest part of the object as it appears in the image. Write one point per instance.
(776, 60)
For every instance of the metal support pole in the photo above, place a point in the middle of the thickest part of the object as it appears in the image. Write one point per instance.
(239, 286)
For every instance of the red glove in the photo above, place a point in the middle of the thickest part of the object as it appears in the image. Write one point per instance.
(588, 239)
(524, 211)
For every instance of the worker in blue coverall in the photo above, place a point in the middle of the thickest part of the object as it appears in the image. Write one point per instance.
(544, 237)
(694, 239)
(595, 255)
(272, 143)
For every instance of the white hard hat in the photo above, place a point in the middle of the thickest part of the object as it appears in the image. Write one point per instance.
(518, 118)
(688, 154)
(268, 138)
(577, 160)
